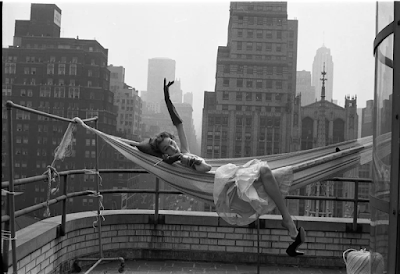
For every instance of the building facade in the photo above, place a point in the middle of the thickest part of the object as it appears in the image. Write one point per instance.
(250, 113)
(158, 69)
(65, 77)
(128, 103)
(304, 88)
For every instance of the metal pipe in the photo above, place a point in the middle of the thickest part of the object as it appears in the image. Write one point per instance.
(11, 198)
(156, 204)
(355, 208)
(99, 198)
(30, 209)
(258, 245)
(33, 179)
(11, 104)
(64, 206)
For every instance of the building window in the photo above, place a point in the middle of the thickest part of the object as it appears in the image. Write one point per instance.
(249, 83)
(61, 69)
(268, 96)
(240, 20)
(259, 34)
(259, 84)
(26, 70)
(258, 46)
(278, 84)
(225, 95)
(238, 108)
(260, 20)
(279, 34)
(72, 69)
(249, 46)
(239, 45)
(74, 60)
(248, 96)
(250, 70)
(249, 34)
(240, 33)
(226, 82)
(239, 83)
(268, 34)
(50, 68)
(52, 59)
(240, 69)
(90, 73)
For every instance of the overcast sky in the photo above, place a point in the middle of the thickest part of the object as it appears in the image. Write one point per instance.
(190, 32)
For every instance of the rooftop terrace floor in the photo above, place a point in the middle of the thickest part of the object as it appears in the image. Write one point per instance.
(181, 267)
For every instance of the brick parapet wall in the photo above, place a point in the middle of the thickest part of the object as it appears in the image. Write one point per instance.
(132, 234)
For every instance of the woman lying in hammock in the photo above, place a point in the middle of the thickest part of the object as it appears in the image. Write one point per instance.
(165, 147)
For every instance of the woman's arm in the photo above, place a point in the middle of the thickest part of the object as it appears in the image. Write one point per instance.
(176, 120)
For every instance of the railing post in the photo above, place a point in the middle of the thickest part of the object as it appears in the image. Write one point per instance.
(98, 192)
(156, 203)
(10, 198)
(355, 210)
(64, 206)
(258, 245)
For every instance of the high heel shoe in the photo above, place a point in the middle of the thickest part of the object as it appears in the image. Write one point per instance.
(300, 238)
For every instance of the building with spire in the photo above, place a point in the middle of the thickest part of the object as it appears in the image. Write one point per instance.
(323, 62)
(320, 124)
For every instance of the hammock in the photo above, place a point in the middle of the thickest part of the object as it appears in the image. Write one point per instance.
(308, 166)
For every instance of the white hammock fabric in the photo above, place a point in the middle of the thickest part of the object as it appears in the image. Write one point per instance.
(304, 167)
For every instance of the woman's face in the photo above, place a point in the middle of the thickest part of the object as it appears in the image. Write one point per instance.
(169, 146)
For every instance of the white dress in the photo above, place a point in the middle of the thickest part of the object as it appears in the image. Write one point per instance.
(240, 197)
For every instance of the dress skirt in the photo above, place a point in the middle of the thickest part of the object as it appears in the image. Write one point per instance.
(239, 195)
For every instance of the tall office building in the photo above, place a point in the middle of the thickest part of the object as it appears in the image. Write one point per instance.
(188, 98)
(158, 69)
(250, 112)
(304, 87)
(65, 77)
(323, 62)
(128, 102)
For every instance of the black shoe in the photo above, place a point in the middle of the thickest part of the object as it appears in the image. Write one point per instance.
(292, 249)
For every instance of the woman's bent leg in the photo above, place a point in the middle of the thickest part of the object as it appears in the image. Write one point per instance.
(272, 189)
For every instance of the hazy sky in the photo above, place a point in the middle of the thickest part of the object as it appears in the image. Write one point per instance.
(190, 32)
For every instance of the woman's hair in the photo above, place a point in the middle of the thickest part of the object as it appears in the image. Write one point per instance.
(155, 143)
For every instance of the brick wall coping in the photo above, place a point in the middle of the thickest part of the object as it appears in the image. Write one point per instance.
(45, 233)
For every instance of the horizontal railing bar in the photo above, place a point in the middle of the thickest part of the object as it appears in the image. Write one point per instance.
(326, 198)
(148, 191)
(30, 209)
(340, 179)
(11, 104)
(27, 210)
(37, 178)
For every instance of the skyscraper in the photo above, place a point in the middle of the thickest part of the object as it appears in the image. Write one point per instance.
(158, 69)
(250, 112)
(304, 87)
(323, 58)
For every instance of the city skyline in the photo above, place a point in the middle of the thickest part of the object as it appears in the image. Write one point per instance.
(179, 31)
